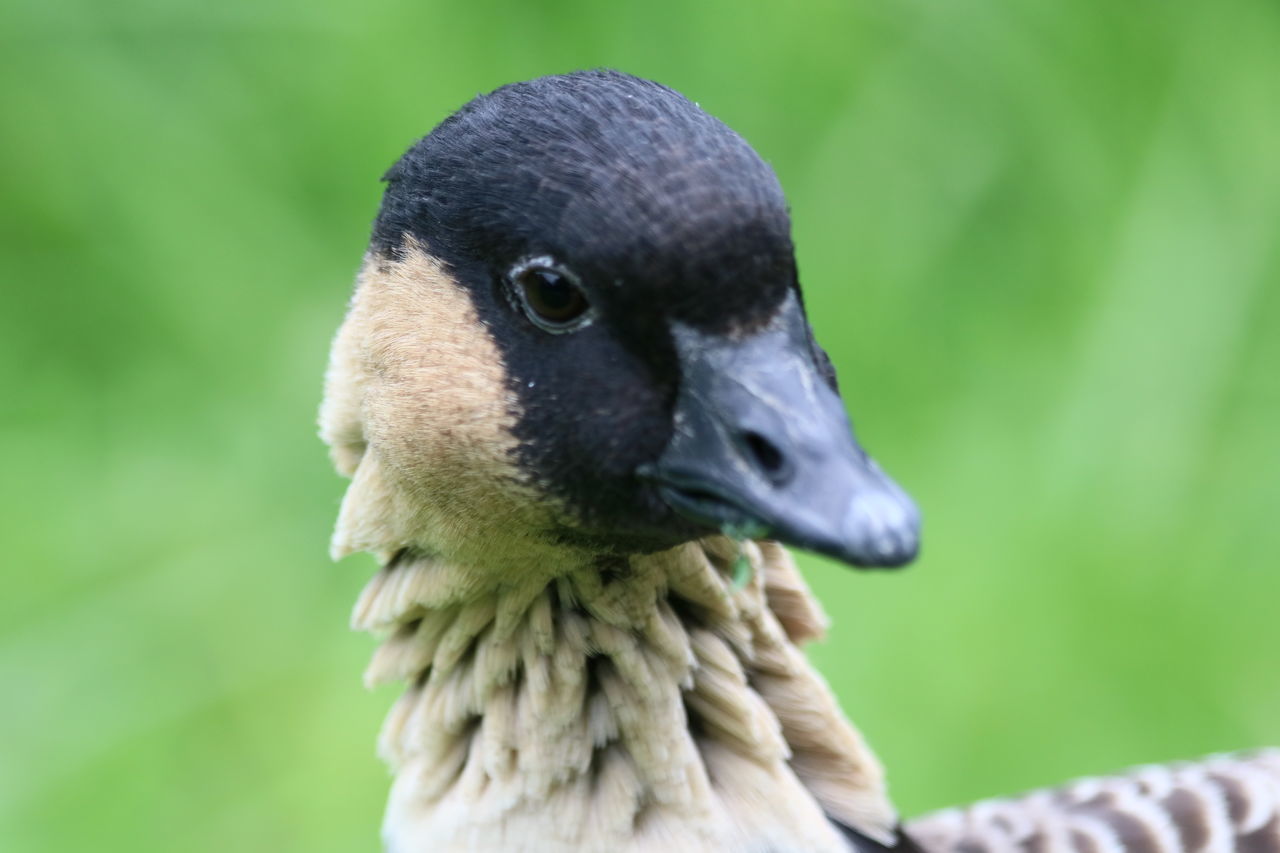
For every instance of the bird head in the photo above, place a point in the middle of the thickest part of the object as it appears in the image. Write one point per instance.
(579, 325)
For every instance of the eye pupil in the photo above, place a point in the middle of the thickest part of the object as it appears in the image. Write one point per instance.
(551, 298)
(552, 293)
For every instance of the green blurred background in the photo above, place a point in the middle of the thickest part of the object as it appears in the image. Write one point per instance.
(1040, 239)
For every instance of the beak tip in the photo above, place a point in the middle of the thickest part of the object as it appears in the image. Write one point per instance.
(882, 530)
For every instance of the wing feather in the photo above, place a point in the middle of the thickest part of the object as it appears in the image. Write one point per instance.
(1223, 804)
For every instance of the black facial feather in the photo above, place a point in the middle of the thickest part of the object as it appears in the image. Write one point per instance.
(660, 211)
(902, 843)
(625, 180)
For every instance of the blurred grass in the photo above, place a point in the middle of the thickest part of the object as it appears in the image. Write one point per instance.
(1040, 240)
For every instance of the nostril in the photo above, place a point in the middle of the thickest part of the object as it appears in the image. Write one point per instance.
(766, 455)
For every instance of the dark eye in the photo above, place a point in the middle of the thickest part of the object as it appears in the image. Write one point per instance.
(550, 297)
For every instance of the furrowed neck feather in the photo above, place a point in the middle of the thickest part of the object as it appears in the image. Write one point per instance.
(644, 705)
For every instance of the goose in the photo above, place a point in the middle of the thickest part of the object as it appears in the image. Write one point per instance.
(584, 415)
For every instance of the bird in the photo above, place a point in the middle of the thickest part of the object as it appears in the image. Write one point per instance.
(584, 416)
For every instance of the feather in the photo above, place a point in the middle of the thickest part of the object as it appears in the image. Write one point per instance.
(1218, 805)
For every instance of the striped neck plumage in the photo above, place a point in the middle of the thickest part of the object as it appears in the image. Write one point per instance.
(644, 703)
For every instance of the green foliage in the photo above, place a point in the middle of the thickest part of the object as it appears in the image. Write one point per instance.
(1039, 239)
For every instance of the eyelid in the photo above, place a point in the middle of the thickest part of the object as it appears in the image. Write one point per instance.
(516, 295)
(545, 262)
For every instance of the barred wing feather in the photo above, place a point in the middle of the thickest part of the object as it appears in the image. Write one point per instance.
(1219, 805)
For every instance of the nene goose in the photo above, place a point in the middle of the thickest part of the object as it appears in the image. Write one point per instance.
(581, 407)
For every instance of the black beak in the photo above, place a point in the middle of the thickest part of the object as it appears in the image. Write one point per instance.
(762, 448)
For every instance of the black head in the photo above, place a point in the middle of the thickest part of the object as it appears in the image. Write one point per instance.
(663, 210)
(630, 259)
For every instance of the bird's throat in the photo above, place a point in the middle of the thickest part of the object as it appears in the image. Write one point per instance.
(634, 705)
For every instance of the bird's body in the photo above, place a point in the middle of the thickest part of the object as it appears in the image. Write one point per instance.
(577, 395)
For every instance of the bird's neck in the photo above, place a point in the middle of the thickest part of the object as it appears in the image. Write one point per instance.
(633, 704)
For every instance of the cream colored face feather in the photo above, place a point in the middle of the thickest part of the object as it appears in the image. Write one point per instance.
(418, 413)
